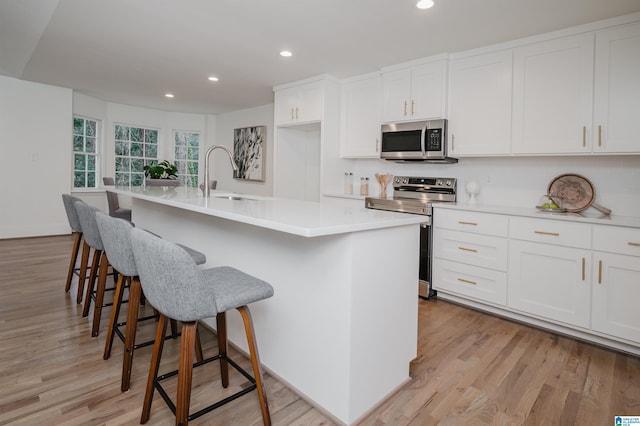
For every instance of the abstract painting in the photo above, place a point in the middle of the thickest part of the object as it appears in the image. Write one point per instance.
(248, 152)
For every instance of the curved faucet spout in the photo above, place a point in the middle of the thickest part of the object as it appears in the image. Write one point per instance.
(207, 187)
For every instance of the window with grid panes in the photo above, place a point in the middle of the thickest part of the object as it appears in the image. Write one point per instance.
(135, 147)
(187, 155)
(85, 152)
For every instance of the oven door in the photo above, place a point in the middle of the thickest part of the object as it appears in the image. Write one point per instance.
(424, 275)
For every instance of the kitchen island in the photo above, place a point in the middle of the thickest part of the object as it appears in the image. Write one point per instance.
(341, 328)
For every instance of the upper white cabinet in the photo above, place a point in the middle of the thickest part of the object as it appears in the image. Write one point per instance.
(298, 104)
(617, 90)
(553, 96)
(360, 123)
(480, 104)
(414, 93)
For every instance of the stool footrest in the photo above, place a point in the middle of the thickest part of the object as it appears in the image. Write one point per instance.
(218, 404)
(122, 337)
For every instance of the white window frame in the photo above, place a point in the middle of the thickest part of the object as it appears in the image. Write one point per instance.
(132, 165)
(97, 154)
(181, 163)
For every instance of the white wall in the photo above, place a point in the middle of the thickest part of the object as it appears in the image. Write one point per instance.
(221, 167)
(35, 151)
(521, 181)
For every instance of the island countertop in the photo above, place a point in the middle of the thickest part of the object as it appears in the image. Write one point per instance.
(303, 218)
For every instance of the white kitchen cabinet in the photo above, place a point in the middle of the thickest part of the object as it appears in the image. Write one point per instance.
(553, 96)
(549, 272)
(414, 93)
(617, 90)
(298, 104)
(480, 90)
(470, 255)
(360, 124)
(616, 287)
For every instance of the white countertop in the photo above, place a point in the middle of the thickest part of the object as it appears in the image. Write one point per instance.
(304, 218)
(585, 217)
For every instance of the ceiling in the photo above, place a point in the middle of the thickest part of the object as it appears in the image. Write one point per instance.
(133, 52)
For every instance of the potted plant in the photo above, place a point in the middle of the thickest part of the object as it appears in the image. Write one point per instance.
(164, 173)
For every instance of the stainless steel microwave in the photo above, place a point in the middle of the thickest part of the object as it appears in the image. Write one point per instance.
(415, 141)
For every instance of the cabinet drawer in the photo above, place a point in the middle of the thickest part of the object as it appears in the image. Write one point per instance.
(470, 281)
(478, 250)
(617, 240)
(477, 223)
(551, 232)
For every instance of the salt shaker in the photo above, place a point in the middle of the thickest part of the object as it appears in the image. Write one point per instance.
(364, 186)
(348, 183)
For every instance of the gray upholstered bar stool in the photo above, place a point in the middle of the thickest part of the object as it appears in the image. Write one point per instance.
(74, 223)
(179, 290)
(115, 234)
(92, 239)
(114, 204)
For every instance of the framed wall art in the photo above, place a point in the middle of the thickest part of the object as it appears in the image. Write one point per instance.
(249, 147)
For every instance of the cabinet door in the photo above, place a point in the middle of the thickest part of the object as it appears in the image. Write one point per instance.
(480, 104)
(360, 130)
(428, 91)
(553, 96)
(617, 90)
(550, 281)
(616, 292)
(285, 101)
(309, 103)
(396, 94)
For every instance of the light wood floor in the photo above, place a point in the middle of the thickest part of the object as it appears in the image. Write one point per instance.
(472, 368)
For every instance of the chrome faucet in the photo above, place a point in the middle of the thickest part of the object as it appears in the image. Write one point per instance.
(207, 187)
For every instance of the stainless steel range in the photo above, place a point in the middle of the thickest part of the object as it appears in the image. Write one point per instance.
(416, 195)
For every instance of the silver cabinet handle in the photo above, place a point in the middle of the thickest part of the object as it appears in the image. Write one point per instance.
(467, 281)
(462, 222)
(631, 243)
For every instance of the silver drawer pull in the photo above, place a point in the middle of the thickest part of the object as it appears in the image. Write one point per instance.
(554, 234)
(631, 243)
(468, 249)
(462, 222)
(467, 281)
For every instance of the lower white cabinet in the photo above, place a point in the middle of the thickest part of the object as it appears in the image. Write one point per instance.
(578, 278)
(616, 282)
(550, 281)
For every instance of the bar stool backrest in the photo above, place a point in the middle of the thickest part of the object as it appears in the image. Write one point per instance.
(72, 215)
(90, 231)
(116, 240)
(170, 279)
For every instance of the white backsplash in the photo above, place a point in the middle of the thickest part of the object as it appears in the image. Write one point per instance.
(521, 181)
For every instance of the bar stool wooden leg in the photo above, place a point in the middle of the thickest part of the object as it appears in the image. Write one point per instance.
(185, 372)
(84, 262)
(135, 291)
(92, 281)
(102, 284)
(74, 258)
(153, 369)
(199, 356)
(255, 361)
(115, 312)
(221, 331)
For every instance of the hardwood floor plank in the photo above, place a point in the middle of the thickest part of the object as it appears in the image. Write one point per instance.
(471, 369)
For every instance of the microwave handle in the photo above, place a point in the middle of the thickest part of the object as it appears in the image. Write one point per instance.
(423, 136)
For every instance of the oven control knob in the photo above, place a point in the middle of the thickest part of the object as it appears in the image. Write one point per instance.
(448, 183)
(439, 182)
(405, 181)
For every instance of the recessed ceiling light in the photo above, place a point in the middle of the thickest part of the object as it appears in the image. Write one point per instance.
(424, 4)
(212, 78)
(286, 53)
(168, 95)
